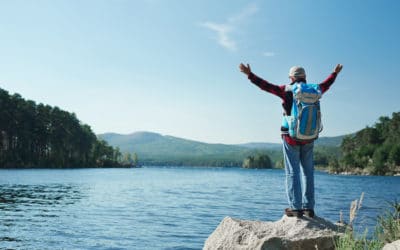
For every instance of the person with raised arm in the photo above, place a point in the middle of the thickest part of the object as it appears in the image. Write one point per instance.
(301, 125)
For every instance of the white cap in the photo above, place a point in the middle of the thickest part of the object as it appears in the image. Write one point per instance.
(297, 72)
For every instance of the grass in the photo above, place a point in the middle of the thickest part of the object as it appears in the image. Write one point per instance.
(389, 224)
(387, 229)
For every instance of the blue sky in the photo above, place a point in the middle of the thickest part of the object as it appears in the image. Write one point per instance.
(171, 66)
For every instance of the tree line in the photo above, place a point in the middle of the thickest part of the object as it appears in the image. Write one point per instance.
(259, 160)
(373, 150)
(38, 135)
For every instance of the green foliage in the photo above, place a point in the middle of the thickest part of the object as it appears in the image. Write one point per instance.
(375, 149)
(332, 142)
(394, 155)
(257, 161)
(130, 160)
(387, 230)
(334, 166)
(37, 135)
(348, 241)
(380, 158)
(280, 163)
(324, 154)
(155, 149)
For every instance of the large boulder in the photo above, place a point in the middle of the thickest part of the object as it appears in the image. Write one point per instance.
(392, 246)
(287, 233)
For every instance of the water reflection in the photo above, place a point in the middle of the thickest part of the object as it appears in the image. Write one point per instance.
(47, 195)
(158, 208)
(32, 207)
(8, 239)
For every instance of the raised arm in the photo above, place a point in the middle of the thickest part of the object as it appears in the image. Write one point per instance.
(261, 83)
(338, 68)
(326, 84)
(244, 69)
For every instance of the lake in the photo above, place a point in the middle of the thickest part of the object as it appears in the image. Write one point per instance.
(161, 207)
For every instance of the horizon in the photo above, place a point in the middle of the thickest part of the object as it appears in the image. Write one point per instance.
(190, 139)
(172, 67)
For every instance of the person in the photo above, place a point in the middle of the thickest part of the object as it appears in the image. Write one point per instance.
(298, 155)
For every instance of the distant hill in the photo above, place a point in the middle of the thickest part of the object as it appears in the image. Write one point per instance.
(153, 148)
(262, 145)
(157, 144)
(334, 141)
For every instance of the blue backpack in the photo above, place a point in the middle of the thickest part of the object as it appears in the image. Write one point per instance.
(304, 122)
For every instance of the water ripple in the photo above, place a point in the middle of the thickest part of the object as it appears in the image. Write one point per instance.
(158, 208)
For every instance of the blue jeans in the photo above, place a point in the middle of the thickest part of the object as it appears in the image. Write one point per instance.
(299, 160)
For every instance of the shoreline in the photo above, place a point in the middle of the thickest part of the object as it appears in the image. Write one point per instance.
(357, 171)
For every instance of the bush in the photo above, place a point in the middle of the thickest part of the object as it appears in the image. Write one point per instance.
(257, 161)
(387, 230)
(394, 155)
(379, 160)
(348, 241)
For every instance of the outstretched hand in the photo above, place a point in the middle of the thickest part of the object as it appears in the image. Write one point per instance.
(244, 69)
(338, 68)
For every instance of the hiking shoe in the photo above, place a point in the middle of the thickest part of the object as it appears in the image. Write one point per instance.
(293, 212)
(309, 212)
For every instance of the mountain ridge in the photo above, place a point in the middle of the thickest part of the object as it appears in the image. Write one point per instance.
(148, 136)
(154, 148)
(161, 142)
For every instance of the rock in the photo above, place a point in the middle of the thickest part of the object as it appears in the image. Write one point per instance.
(395, 245)
(287, 233)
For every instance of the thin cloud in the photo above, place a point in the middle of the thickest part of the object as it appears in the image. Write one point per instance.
(269, 54)
(224, 30)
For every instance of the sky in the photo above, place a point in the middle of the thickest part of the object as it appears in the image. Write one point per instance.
(171, 66)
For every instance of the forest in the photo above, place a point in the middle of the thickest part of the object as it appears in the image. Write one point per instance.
(38, 135)
(372, 150)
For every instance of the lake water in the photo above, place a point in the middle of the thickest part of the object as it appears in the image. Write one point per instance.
(160, 208)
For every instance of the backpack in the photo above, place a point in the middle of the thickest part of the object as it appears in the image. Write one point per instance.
(304, 122)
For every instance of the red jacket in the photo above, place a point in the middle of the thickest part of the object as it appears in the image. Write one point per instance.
(287, 97)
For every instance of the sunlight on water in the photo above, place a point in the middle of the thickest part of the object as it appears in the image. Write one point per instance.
(160, 208)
